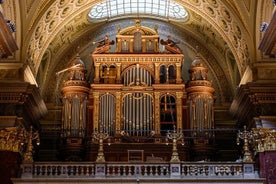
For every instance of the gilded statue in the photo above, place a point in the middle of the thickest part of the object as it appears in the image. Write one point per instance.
(171, 45)
(104, 45)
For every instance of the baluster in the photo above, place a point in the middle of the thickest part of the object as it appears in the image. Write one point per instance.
(53, 170)
(86, 170)
(221, 170)
(57, 170)
(207, 171)
(150, 170)
(75, 170)
(200, 170)
(39, 170)
(211, 170)
(49, 170)
(168, 170)
(196, 170)
(113, 171)
(46, 170)
(187, 170)
(124, 170)
(64, 170)
(154, 170)
(143, 170)
(82, 170)
(227, 170)
(35, 170)
(239, 171)
(128, 170)
(181, 170)
(146, 170)
(93, 170)
(69, 170)
(158, 170)
(216, 170)
(108, 170)
(119, 170)
(191, 170)
(232, 170)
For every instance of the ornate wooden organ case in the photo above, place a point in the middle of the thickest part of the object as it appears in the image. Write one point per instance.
(137, 90)
(137, 95)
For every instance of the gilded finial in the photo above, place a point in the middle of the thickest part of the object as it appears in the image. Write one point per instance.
(138, 22)
(156, 28)
(119, 28)
(78, 51)
(197, 50)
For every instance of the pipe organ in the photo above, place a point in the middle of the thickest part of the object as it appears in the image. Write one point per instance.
(142, 76)
(137, 93)
(74, 111)
(200, 98)
(200, 104)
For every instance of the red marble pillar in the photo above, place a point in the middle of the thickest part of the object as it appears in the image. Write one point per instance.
(9, 166)
(267, 162)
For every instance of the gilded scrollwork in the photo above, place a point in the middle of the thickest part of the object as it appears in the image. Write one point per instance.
(16, 139)
(264, 139)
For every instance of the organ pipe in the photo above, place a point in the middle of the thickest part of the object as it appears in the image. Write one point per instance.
(138, 121)
(75, 94)
(107, 116)
(200, 97)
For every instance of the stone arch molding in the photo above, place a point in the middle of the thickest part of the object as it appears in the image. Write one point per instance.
(63, 11)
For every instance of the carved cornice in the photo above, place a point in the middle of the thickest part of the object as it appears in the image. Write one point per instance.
(24, 94)
(251, 101)
(142, 58)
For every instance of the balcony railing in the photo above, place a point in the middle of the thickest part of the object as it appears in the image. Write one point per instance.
(137, 170)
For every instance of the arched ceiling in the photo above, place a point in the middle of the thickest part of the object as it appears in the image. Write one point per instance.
(52, 32)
